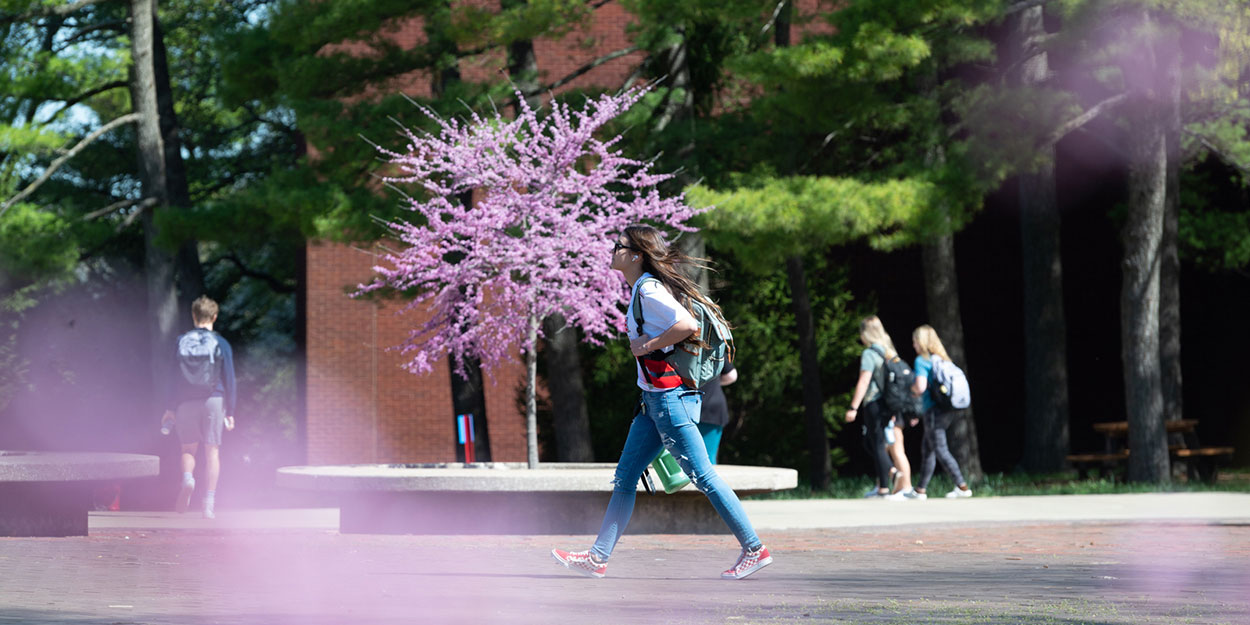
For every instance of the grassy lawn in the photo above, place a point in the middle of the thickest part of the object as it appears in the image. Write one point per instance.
(1006, 484)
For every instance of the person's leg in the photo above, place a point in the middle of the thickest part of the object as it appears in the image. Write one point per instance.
(642, 445)
(188, 458)
(188, 480)
(711, 439)
(928, 459)
(875, 441)
(899, 456)
(943, 452)
(676, 418)
(212, 425)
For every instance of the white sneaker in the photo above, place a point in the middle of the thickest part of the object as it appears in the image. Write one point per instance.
(912, 494)
(899, 496)
(959, 493)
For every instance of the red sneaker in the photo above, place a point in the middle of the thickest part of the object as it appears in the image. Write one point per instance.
(580, 561)
(748, 563)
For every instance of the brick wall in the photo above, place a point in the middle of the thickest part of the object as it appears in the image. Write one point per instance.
(363, 407)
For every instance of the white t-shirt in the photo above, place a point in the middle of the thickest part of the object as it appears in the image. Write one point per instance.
(660, 311)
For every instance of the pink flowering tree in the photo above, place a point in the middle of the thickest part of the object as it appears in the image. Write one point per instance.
(551, 198)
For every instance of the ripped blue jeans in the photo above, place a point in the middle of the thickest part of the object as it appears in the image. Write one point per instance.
(668, 419)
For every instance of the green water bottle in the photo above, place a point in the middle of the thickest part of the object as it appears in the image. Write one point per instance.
(671, 475)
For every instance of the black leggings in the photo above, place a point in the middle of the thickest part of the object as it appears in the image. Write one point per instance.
(873, 427)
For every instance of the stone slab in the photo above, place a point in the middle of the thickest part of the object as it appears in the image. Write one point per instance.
(498, 498)
(49, 493)
(72, 466)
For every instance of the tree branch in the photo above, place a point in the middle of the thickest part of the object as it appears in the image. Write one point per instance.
(117, 84)
(277, 285)
(49, 11)
(55, 165)
(585, 68)
(115, 206)
(1084, 118)
(1024, 5)
(1220, 153)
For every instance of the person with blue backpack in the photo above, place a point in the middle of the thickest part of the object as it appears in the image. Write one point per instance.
(200, 401)
(679, 339)
(943, 389)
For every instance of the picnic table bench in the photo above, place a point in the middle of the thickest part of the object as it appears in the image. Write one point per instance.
(1200, 462)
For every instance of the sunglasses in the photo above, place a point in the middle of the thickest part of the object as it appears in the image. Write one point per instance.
(618, 246)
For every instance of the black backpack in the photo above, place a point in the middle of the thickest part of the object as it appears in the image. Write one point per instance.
(200, 358)
(894, 378)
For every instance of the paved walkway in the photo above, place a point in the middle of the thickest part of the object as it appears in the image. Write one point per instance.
(1106, 560)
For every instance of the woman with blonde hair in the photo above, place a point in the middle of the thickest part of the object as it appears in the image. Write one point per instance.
(877, 419)
(936, 421)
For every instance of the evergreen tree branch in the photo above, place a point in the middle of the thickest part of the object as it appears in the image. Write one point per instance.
(1220, 153)
(55, 165)
(278, 286)
(1024, 5)
(1084, 118)
(585, 68)
(116, 206)
(117, 84)
(49, 11)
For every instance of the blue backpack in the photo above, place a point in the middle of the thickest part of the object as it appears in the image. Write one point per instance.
(696, 365)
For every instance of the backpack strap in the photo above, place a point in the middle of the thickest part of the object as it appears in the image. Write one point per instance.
(636, 305)
(878, 374)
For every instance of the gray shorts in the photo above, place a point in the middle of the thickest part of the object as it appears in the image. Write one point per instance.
(201, 420)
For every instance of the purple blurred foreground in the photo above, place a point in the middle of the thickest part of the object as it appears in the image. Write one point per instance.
(280, 567)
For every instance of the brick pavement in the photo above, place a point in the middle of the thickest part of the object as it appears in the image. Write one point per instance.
(1108, 573)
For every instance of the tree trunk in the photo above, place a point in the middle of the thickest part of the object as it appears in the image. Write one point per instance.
(564, 361)
(1046, 441)
(531, 404)
(190, 274)
(568, 398)
(942, 297)
(1142, 238)
(523, 64)
(1170, 270)
(813, 399)
(158, 264)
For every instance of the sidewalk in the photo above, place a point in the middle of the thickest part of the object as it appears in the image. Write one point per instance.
(1105, 560)
(801, 514)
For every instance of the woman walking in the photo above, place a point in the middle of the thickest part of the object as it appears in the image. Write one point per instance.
(866, 402)
(668, 413)
(936, 421)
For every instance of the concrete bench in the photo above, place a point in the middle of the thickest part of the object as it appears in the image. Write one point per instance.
(508, 498)
(48, 493)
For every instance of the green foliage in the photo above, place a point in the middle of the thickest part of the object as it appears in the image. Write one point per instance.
(776, 217)
(33, 245)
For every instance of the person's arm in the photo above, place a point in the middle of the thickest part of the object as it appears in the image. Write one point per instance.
(918, 387)
(227, 378)
(675, 334)
(729, 378)
(861, 389)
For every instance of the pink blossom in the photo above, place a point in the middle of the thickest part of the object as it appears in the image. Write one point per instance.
(552, 200)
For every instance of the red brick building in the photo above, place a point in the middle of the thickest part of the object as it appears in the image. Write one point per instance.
(362, 407)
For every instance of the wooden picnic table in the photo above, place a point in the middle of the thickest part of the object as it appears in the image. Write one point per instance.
(1200, 462)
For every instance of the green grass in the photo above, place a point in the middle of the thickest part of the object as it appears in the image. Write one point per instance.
(1008, 484)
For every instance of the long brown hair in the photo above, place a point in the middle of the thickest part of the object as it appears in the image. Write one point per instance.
(667, 264)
